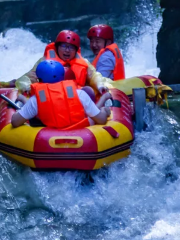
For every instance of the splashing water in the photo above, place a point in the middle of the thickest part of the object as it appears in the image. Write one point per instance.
(142, 53)
(19, 51)
(136, 198)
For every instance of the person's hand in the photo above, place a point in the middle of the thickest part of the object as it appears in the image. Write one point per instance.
(21, 98)
(106, 96)
(103, 89)
(103, 99)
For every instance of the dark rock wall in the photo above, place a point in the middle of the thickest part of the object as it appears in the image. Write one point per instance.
(46, 18)
(30, 14)
(168, 49)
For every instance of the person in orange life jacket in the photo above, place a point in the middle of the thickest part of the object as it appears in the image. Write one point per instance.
(108, 59)
(65, 95)
(66, 50)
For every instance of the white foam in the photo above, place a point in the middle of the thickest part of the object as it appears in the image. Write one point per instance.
(142, 53)
(19, 51)
(165, 229)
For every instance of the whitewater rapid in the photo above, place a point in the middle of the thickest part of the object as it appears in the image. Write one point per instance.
(136, 198)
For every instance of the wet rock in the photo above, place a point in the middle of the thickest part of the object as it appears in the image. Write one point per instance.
(168, 49)
(46, 18)
(170, 4)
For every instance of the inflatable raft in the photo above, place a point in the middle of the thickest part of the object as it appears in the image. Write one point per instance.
(86, 149)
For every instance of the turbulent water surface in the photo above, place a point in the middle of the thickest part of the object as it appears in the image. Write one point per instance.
(136, 198)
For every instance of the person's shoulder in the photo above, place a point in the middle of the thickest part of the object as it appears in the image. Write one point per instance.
(107, 54)
(81, 92)
(83, 96)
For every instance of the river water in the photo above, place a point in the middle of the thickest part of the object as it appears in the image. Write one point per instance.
(136, 198)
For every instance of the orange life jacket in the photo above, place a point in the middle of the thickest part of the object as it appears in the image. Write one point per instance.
(78, 65)
(59, 105)
(118, 72)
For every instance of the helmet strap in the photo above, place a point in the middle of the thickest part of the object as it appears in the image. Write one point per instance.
(57, 45)
(105, 43)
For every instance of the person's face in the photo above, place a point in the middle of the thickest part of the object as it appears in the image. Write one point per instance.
(96, 44)
(66, 51)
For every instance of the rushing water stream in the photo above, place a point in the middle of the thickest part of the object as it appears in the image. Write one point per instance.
(136, 198)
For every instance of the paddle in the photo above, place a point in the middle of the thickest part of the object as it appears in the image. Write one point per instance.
(11, 103)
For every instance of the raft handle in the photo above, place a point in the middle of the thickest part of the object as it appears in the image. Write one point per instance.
(66, 140)
(112, 103)
(111, 131)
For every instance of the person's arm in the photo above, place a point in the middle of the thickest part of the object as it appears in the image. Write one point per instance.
(103, 99)
(22, 98)
(95, 79)
(23, 83)
(106, 64)
(17, 120)
(101, 118)
(28, 111)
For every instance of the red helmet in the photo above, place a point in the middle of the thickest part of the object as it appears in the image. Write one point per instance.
(102, 31)
(68, 36)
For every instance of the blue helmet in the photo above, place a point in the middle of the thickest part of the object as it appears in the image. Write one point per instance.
(50, 71)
